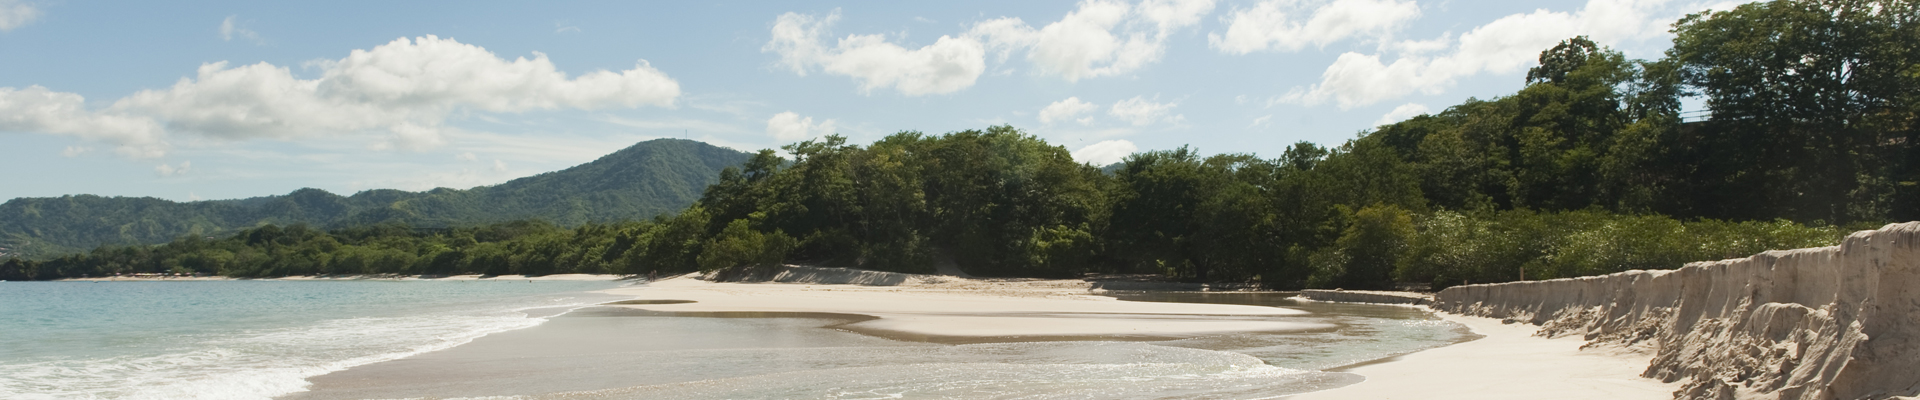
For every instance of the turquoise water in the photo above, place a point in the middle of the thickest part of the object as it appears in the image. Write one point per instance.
(245, 339)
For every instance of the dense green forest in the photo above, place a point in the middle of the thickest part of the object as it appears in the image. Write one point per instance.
(1589, 169)
(650, 178)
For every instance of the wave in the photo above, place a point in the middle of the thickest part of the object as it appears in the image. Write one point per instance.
(256, 363)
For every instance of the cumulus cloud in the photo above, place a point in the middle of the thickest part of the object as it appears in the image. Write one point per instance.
(169, 170)
(1105, 152)
(499, 166)
(1069, 109)
(406, 88)
(1288, 25)
(1502, 46)
(75, 151)
(1142, 112)
(467, 156)
(15, 14)
(946, 66)
(789, 126)
(1100, 38)
(1401, 113)
(228, 29)
(36, 109)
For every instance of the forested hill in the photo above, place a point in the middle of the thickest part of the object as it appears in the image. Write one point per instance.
(650, 178)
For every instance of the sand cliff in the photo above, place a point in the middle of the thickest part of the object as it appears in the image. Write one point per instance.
(1839, 322)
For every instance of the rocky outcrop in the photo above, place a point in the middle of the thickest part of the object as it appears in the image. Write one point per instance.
(1367, 296)
(1839, 322)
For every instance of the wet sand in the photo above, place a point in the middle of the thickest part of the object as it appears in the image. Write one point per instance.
(1507, 363)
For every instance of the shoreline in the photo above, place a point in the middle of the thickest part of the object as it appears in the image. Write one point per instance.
(359, 277)
(1506, 362)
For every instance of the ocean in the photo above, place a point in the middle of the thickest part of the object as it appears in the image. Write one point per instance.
(245, 339)
(539, 340)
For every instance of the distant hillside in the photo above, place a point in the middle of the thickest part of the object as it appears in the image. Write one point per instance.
(651, 178)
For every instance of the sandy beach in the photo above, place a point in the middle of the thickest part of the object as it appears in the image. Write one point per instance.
(961, 311)
(595, 353)
(1509, 362)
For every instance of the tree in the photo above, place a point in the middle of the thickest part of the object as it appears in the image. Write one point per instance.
(741, 245)
(1807, 104)
(1368, 253)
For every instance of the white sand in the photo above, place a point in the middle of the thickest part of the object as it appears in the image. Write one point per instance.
(1509, 363)
(938, 310)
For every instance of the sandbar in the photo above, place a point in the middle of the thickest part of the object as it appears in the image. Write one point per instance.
(940, 313)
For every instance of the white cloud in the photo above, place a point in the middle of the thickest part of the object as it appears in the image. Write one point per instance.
(228, 30)
(1069, 109)
(499, 166)
(36, 109)
(407, 88)
(75, 151)
(1141, 112)
(1401, 113)
(946, 66)
(1262, 121)
(1100, 38)
(1105, 152)
(1502, 46)
(1277, 24)
(193, 197)
(169, 170)
(563, 27)
(467, 156)
(15, 14)
(789, 126)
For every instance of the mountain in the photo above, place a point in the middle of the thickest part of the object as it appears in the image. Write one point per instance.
(650, 178)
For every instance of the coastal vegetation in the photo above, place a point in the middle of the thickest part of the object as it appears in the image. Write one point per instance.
(650, 178)
(1591, 168)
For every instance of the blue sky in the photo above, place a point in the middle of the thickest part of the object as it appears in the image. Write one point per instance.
(213, 100)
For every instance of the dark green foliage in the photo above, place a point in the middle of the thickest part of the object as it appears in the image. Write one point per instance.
(1367, 253)
(1812, 110)
(998, 201)
(1454, 248)
(651, 178)
(519, 248)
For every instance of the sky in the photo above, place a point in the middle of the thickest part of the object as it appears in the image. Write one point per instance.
(219, 100)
